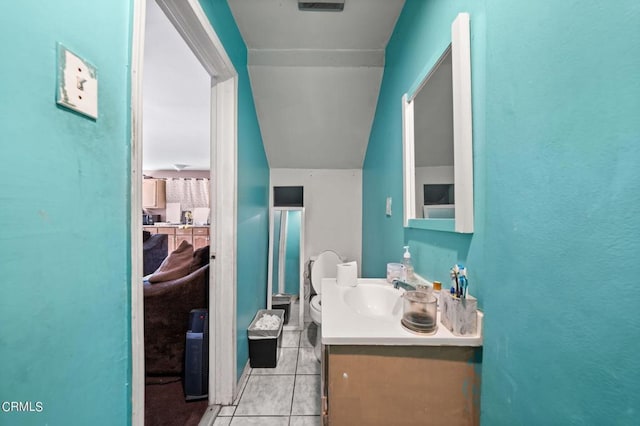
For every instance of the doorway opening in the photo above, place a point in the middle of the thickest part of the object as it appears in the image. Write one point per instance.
(191, 22)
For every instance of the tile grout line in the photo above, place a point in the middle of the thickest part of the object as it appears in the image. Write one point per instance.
(295, 377)
(246, 382)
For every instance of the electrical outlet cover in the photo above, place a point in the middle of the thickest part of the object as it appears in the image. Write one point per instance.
(77, 83)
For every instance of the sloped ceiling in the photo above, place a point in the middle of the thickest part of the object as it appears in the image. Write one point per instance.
(315, 77)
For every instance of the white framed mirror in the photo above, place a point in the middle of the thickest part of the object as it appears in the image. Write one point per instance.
(438, 140)
(285, 281)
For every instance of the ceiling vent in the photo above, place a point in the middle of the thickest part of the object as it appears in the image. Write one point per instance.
(321, 5)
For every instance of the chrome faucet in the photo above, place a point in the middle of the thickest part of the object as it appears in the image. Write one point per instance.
(401, 284)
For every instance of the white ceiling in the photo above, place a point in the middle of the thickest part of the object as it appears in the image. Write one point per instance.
(433, 116)
(176, 96)
(315, 77)
(278, 24)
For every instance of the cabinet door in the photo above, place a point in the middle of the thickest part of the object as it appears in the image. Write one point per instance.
(200, 237)
(377, 385)
(184, 234)
(181, 238)
(200, 241)
(171, 237)
(149, 193)
(154, 194)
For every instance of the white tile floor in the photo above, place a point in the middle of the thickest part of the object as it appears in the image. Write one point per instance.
(288, 395)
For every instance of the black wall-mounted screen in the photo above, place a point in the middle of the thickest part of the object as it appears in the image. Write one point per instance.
(288, 196)
(438, 194)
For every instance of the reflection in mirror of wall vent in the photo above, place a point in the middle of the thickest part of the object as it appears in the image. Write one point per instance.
(288, 196)
(321, 6)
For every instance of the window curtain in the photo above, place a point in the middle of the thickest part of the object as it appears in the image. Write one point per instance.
(190, 193)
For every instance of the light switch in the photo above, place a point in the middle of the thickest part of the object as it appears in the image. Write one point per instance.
(388, 206)
(77, 83)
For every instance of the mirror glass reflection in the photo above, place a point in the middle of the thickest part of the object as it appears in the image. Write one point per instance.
(433, 139)
(285, 284)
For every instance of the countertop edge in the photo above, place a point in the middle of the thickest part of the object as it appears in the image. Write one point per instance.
(400, 342)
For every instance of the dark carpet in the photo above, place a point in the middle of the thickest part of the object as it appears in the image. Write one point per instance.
(165, 404)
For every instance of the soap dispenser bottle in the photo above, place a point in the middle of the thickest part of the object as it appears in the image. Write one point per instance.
(408, 273)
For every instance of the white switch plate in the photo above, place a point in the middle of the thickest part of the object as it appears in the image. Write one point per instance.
(77, 83)
(388, 206)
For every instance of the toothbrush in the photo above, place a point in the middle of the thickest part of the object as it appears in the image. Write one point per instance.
(463, 286)
(464, 281)
(454, 275)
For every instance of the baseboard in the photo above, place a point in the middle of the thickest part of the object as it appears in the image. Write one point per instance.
(244, 377)
(209, 416)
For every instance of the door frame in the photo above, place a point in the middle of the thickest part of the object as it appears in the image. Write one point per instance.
(191, 22)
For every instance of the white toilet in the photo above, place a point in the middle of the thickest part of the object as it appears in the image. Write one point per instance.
(324, 266)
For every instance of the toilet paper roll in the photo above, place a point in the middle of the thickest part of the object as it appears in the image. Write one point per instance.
(347, 274)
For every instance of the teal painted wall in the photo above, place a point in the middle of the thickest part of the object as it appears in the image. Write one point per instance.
(420, 37)
(253, 183)
(64, 208)
(556, 102)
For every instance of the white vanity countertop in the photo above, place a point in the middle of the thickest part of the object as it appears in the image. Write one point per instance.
(342, 325)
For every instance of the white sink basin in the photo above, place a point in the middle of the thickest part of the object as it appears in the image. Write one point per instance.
(373, 300)
(370, 314)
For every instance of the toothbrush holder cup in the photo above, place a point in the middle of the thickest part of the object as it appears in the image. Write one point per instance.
(459, 315)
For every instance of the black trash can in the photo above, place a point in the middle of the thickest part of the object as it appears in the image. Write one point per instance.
(264, 345)
(282, 301)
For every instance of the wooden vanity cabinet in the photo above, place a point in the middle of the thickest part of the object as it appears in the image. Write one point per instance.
(401, 385)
